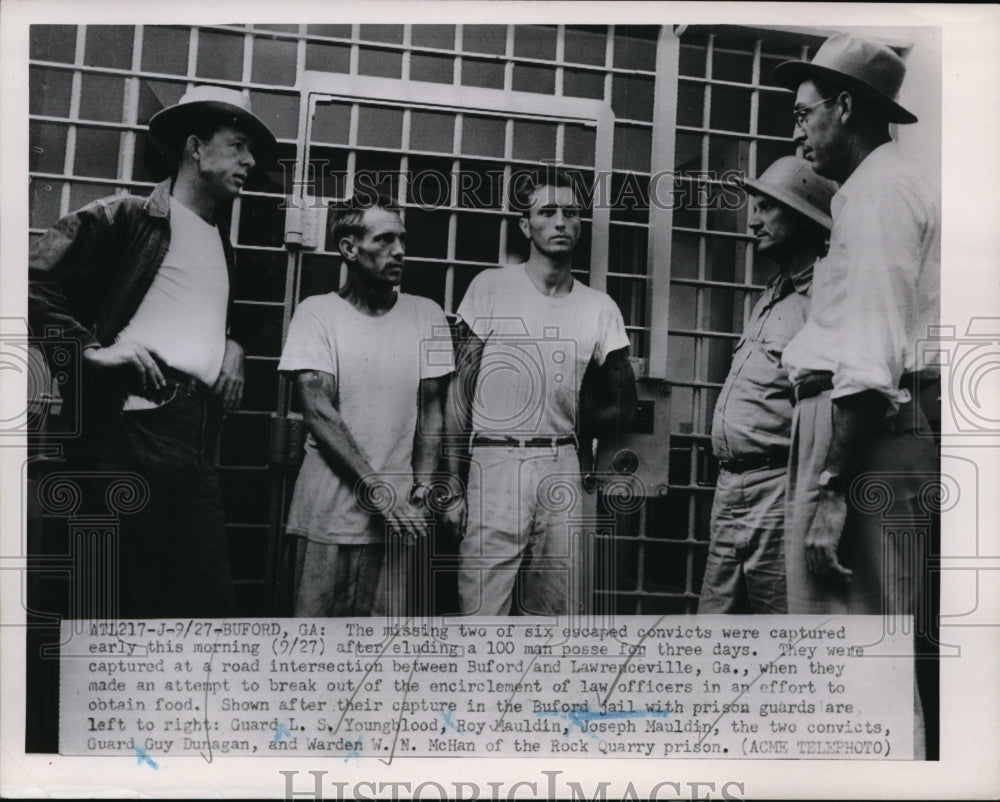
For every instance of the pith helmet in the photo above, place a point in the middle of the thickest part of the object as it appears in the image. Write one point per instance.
(793, 181)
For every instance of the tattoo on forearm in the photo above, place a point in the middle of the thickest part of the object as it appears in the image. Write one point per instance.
(315, 383)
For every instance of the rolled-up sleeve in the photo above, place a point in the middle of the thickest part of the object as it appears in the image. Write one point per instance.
(876, 292)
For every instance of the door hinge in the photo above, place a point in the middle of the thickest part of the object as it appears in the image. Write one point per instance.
(287, 447)
(304, 225)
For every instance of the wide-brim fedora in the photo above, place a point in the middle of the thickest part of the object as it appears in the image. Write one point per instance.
(793, 181)
(171, 126)
(863, 65)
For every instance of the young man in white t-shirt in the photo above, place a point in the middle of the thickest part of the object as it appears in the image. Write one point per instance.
(527, 335)
(371, 366)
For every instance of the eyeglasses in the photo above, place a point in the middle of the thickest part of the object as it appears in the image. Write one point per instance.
(801, 114)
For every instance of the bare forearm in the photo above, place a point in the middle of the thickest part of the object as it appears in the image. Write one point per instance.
(457, 420)
(430, 429)
(425, 454)
(461, 392)
(856, 419)
(337, 444)
(324, 422)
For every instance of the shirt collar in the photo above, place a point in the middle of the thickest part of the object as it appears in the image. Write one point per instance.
(158, 202)
(872, 163)
(800, 282)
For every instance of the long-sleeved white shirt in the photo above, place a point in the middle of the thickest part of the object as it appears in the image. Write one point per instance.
(877, 292)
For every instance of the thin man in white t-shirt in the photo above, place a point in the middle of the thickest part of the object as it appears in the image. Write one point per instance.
(369, 371)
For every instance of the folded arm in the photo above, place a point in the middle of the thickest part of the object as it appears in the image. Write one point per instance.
(461, 393)
(458, 421)
(608, 396)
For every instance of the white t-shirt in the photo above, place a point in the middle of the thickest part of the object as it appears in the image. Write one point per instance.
(378, 363)
(183, 314)
(536, 350)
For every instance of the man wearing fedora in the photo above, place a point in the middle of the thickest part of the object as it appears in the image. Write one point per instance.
(874, 296)
(143, 285)
(751, 429)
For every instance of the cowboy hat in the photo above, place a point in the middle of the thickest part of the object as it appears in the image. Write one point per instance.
(793, 182)
(868, 67)
(170, 126)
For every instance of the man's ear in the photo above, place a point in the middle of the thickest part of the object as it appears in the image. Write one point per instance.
(348, 248)
(192, 147)
(845, 105)
(525, 228)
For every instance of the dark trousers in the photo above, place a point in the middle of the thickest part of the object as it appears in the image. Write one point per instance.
(173, 559)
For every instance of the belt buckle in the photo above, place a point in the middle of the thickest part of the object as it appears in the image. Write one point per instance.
(186, 385)
(167, 393)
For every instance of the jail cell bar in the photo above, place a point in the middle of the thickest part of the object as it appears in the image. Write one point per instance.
(94, 88)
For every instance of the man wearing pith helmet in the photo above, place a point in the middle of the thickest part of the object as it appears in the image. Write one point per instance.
(874, 297)
(751, 429)
(144, 286)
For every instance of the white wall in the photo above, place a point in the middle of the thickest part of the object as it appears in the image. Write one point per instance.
(921, 94)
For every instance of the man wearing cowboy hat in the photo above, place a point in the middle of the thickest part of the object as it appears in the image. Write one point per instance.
(874, 296)
(751, 430)
(144, 287)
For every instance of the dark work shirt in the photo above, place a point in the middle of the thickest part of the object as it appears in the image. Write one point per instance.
(754, 412)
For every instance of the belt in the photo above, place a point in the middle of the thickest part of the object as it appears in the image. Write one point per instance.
(183, 383)
(816, 382)
(918, 380)
(772, 459)
(520, 442)
(812, 384)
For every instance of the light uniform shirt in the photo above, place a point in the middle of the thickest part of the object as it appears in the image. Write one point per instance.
(182, 317)
(753, 415)
(877, 292)
(536, 350)
(378, 364)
